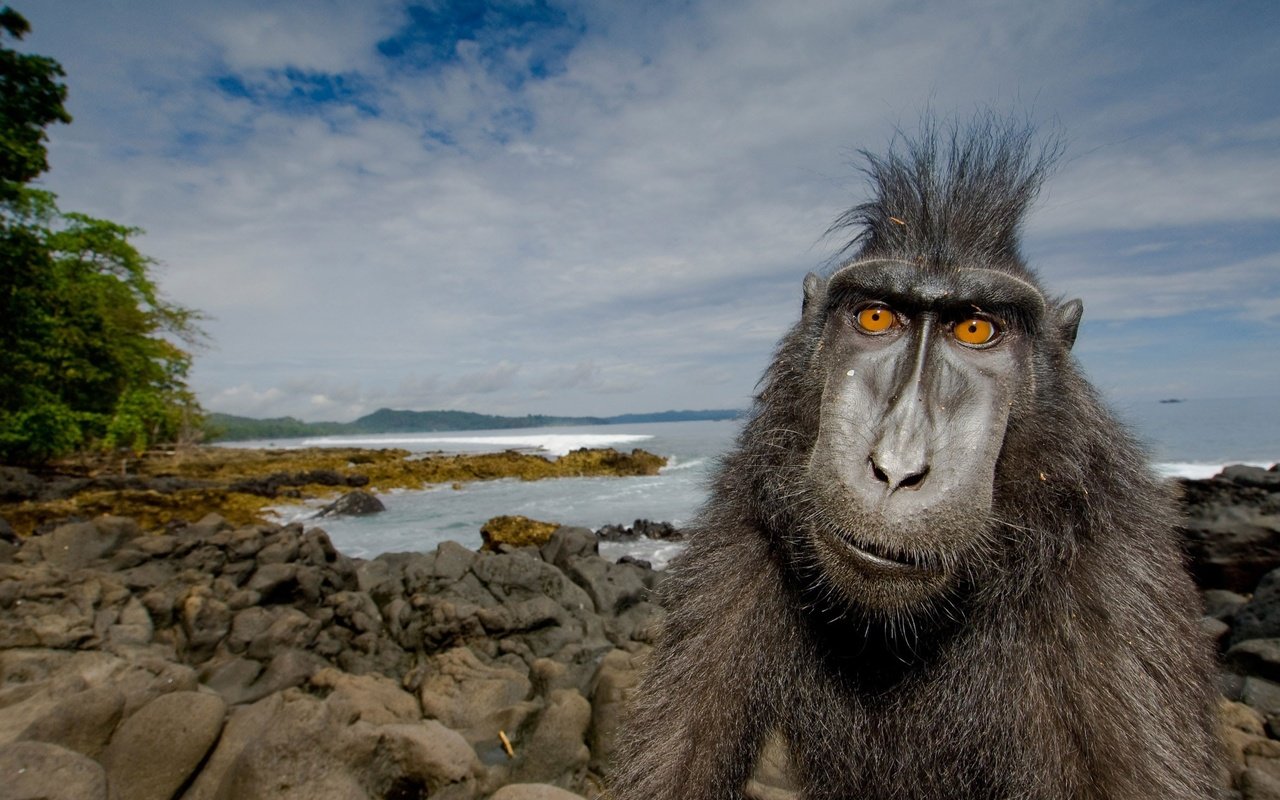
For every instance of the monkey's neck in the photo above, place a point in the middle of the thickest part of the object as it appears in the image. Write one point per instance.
(875, 653)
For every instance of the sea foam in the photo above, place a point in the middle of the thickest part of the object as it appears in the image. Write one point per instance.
(1197, 471)
(557, 444)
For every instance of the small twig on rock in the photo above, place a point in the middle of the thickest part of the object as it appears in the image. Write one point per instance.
(506, 744)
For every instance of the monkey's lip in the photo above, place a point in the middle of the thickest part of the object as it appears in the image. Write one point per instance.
(886, 558)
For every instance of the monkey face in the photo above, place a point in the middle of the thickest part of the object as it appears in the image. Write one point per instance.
(920, 369)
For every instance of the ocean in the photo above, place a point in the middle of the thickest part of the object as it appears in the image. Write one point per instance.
(1192, 438)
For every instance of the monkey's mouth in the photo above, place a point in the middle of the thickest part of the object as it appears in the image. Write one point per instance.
(888, 558)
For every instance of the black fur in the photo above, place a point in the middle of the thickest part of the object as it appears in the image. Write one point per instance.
(1065, 663)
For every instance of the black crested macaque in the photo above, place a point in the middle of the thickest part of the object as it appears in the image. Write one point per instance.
(934, 564)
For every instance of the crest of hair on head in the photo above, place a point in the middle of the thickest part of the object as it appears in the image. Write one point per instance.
(953, 195)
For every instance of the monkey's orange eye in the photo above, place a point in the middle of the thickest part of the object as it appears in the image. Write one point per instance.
(875, 319)
(975, 331)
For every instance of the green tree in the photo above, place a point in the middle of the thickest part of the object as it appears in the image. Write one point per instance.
(90, 352)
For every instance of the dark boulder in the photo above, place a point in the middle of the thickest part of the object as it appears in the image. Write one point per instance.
(355, 504)
(16, 485)
(661, 531)
(1232, 528)
(1260, 617)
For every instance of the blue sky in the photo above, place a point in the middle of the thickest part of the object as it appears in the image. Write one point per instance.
(598, 208)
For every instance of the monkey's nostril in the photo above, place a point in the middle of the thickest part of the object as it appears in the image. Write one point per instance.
(889, 473)
(912, 481)
(875, 469)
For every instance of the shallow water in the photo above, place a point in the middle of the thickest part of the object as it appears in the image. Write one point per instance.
(1190, 439)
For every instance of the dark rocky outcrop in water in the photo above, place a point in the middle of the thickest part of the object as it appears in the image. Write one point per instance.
(353, 504)
(641, 528)
(218, 661)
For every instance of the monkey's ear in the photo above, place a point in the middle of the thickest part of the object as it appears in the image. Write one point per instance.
(814, 288)
(1069, 314)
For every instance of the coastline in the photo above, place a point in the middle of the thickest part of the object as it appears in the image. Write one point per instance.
(215, 660)
(173, 487)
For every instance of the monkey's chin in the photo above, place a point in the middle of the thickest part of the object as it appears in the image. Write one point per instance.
(878, 578)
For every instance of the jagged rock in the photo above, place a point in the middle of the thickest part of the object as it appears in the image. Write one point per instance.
(613, 588)
(1232, 531)
(368, 698)
(353, 504)
(78, 544)
(472, 697)
(242, 680)
(1260, 617)
(554, 750)
(1222, 604)
(308, 751)
(156, 750)
(42, 771)
(662, 531)
(287, 628)
(568, 542)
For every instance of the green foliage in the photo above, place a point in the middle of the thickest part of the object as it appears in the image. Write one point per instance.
(39, 432)
(31, 98)
(89, 350)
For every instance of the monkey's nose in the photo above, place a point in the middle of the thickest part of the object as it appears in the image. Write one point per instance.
(898, 473)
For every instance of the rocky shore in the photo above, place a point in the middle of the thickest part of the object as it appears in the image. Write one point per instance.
(224, 660)
(168, 487)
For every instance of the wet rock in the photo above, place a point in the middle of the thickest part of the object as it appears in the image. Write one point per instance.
(156, 750)
(613, 588)
(641, 528)
(42, 771)
(353, 504)
(568, 542)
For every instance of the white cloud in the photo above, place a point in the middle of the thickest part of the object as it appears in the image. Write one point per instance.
(645, 239)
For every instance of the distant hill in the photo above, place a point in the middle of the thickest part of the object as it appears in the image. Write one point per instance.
(232, 428)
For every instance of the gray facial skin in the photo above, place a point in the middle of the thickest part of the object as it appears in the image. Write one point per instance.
(912, 421)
